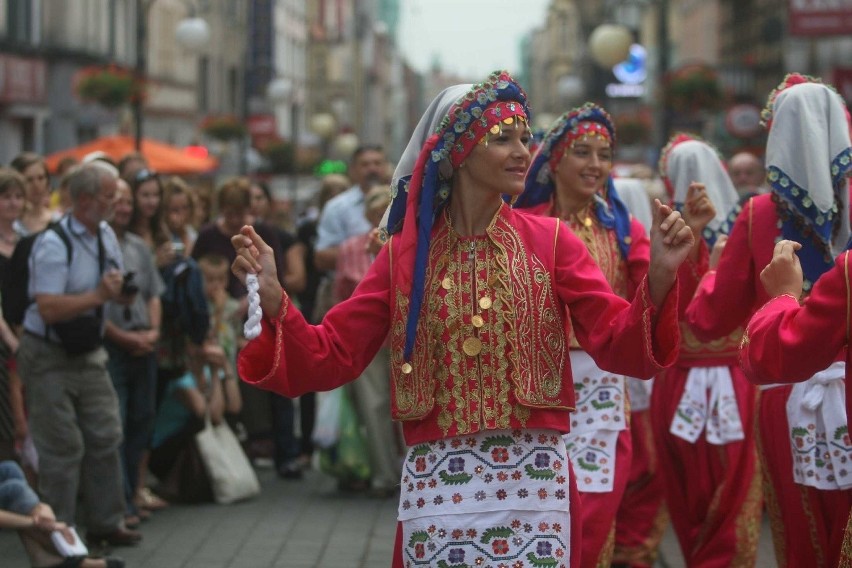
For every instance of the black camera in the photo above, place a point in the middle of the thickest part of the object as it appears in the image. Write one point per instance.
(128, 287)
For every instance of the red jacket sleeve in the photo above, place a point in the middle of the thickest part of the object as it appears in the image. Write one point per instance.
(292, 357)
(725, 297)
(638, 257)
(626, 338)
(786, 342)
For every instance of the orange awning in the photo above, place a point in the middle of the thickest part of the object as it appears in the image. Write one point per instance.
(162, 157)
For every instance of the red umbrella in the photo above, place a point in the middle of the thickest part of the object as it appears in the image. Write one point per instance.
(161, 157)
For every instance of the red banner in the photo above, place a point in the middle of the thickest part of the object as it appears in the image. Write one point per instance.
(820, 17)
(22, 80)
(262, 128)
(842, 81)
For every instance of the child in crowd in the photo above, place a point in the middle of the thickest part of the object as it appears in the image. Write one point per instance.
(209, 386)
(179, 211)
(224, 319)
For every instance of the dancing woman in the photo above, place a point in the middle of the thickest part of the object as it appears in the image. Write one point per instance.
(570, 179)
(475, 298)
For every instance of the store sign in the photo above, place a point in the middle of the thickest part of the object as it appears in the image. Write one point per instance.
(22, 80)
(743, 120)
(820, 17)
(262, 129)
(631, 74)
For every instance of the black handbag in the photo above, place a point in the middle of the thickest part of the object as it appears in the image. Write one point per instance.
(82, 334)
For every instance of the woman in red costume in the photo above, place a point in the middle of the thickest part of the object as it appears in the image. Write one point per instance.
(791, 342)
(808, 157)
(570, 179)
(476, 298)
(704, 407)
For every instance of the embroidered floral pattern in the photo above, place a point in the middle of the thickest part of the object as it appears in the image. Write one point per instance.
(489, 471)
(819, 434)
(595, 424)
(503, 541)
(462, 507)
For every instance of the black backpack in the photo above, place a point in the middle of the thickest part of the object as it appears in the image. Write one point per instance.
(16, 282)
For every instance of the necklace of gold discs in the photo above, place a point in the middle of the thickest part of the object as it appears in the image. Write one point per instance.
(472, 345)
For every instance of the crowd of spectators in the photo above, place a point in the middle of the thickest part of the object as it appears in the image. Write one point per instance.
(125, 252)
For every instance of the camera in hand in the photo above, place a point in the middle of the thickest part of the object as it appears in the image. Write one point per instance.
(128, 287)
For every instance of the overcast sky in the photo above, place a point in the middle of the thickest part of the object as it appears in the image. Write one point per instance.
(470, 37)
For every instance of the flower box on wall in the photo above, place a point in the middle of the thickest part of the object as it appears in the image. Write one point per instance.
(693, 88)
(110, 86)
(223, 127)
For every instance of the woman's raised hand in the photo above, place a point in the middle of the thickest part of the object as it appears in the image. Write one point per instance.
(783, 274)
(254, 256)
(698, 210)
(671, 242)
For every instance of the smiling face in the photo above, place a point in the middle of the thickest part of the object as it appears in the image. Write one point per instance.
(501, 164)
(584, 168)
(148, 199)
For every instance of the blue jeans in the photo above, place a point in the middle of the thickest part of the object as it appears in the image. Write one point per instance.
(135, 382)
(15, 494)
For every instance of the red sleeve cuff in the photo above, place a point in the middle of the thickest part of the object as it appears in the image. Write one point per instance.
(661, 331)
(260, 359)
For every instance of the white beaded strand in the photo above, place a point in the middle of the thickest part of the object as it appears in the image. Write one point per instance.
(255, 313)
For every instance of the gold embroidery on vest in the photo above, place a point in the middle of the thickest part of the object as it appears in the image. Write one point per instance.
(523, 346)
(537, 331)
(602, 245)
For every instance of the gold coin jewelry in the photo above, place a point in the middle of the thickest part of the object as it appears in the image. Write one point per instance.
(472, 346)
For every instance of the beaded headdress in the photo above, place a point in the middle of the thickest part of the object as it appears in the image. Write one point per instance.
(588, 120)
(420, 194)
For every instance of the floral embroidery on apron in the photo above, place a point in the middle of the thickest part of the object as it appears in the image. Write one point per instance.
(595, 424)
(819, 432)
(496, 496)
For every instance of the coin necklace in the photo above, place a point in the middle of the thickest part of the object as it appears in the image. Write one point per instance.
(472, 345)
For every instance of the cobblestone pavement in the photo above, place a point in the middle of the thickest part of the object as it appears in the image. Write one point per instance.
(293, 524)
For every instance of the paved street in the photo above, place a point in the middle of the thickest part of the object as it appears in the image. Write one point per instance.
(293, 524)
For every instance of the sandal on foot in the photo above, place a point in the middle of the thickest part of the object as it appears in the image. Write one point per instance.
(146, 499)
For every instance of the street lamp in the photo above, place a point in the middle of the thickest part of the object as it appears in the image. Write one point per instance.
(323, 125)
(346, 144)
(610, 44)
(193, 33)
